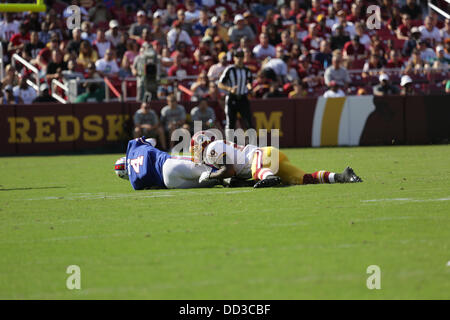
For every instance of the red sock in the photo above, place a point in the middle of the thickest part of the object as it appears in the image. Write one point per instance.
(319, 177)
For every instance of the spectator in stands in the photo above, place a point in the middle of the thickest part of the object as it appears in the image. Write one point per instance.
(384, 87)
(334, 90)
(158, 34)
(323, 57)
(101, 44)
(264, 49)
(239, 30)
(447, 49)
(312, 40)
(192, 13)
(447, 86)
(44, 96)
(10, 78)
(284, 19)
(173, 116)
(107, 66)
(136, 28)
(307, 70)
(317, 8)
(176, 35)
(277, 69)
(427, 54)
(8, 27)
(219, 29)
(260, 85)
(395, 60)
(445, 32)
(146, 123)
(395, 18)
(44, 34)
(99, 14)
(180, 67)
(413, 9)
(9, 97)
(93, 94)
(249, 60)
(45, 55)
(129, 55)
(275, 91)
(87, 54)
(411, 43)
(34, 46)
(23, 91)
(200, 87)
(71, 72)
(215, 95)
(323, 30)
(146, 37)
(407, 86)
(349, 28)
(224, 19)
(170, 14)
(86, 32)
(339, 39)
(164, 89)
(184, 25)
(216, 70)
(403, 31)
(415, 62)
(56, 66)
(112, 34)
(361, 32)
(354, 50)
(356, 13)
(372, 66)
(18, 40)
(74, 45)
(204, 113)
(430, 32)
(441, 62)
(336, 72)
(300, 89)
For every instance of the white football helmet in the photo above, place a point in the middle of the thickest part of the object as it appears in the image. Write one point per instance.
(120, 167)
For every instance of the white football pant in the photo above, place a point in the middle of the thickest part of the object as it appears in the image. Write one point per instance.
(183, 174)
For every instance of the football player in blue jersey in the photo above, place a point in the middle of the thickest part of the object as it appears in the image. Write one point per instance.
(147, 167)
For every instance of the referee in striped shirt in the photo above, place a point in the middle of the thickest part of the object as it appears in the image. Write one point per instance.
(237, 80)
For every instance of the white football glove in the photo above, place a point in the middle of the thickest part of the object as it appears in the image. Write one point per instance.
(204, 176)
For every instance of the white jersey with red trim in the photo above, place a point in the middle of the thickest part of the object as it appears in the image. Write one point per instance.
(221, 152)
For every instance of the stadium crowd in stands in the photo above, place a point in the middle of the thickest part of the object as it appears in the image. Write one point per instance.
(295, 48)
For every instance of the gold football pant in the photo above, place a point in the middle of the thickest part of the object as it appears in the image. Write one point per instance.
(271, 161)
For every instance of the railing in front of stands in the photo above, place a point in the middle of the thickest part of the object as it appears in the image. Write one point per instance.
(70, 88)
(36, 86)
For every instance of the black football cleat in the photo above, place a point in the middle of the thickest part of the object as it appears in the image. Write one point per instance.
(349, 176)
(240, 183)
(270, 181)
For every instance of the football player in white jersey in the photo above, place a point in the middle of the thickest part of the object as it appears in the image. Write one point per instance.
(267, 165)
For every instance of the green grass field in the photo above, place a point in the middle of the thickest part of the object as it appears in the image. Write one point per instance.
(298, 242)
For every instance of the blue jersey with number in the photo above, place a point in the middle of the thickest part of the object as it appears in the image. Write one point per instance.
(145, 164)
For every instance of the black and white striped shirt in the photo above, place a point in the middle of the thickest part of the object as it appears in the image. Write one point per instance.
(235, 76)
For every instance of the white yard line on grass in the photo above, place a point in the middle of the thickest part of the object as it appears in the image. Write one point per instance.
(105, 196)
(406, 200)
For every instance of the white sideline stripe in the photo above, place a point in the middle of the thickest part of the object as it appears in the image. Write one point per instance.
(94, 196)
(407, 200)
